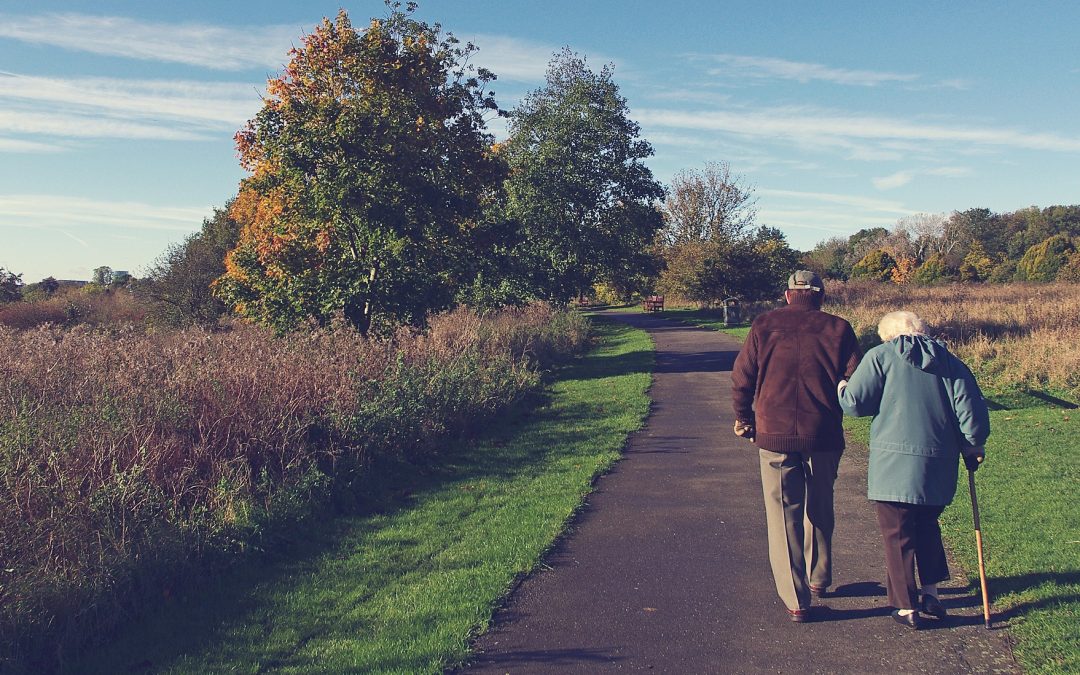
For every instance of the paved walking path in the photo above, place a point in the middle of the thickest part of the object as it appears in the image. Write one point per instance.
(666, 567)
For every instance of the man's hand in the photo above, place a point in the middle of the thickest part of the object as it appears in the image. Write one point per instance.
(973, 456)
(744, 429)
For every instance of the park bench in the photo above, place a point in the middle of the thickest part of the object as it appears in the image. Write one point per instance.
(653, 303)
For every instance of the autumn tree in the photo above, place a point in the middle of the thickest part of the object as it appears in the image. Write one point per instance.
(578, 185)
(710, 204)
(369, 171)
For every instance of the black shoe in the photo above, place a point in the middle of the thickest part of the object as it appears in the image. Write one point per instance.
(910, 620)
(933, 607)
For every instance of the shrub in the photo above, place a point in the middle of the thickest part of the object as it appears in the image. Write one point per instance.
(876, 265)
(1042, 261)
(130, 461)
(1070, 271)
(1003, 272)
(977, 265)
(933, 271)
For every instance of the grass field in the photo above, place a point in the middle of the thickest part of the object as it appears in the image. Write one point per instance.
(405, 588)
(1030, 520)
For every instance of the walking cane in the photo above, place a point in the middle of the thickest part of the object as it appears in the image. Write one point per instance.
(979, 546)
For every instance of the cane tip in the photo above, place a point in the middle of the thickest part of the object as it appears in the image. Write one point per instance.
(987, 625)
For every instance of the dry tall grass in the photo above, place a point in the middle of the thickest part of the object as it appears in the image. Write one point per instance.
(75, 306)
(126, 458)
(1012, 335)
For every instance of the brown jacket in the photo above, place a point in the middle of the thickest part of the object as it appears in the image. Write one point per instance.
(784, 379)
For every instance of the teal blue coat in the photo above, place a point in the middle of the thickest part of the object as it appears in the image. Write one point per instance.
(926, 406)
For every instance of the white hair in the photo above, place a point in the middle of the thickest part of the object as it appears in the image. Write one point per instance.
(895, 324)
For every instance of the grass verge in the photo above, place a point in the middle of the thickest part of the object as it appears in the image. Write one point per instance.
(708, 318)
(406, 587)
(1030, 520)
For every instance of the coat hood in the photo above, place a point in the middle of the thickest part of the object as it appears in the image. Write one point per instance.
(922, 352)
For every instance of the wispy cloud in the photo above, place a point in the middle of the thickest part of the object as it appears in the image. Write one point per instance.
(807, 216)
(45, 210)
(99, 107)
(895, 180)
(67, 125)
(811, 125)
(862, 203)
(193, 44)
(901, 178)
(20, 145)
(764, 67)
(213, 103)
(949, 171)
(512, 58)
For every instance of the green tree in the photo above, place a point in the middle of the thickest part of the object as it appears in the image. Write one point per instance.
(178, 283)
(1042, 261)
(102, 276)
(829, 259)
(770, 263)
(578, 186)
(980, 224)
(977, 264)
(10, 286)
(370, 170)
(877, 265)
(934, 270)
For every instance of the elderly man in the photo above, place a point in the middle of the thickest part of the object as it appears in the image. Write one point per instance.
(784, 394)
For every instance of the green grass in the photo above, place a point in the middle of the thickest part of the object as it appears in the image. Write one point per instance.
(406, 587)
(1030, 519)
(709, 318)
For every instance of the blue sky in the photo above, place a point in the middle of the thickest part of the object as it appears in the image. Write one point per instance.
(117, 117)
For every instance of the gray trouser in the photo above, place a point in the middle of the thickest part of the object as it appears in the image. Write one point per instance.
(798, 490)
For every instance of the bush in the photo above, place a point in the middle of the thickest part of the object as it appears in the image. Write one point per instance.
(129, 462)
(1003, 272)
(1070, 271)
(877, 265)
(1042, 261)
(933, 271)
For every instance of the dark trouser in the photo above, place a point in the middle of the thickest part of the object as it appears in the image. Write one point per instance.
(798, 492)
(912, 536)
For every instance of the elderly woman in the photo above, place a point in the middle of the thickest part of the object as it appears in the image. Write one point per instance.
(928, 411)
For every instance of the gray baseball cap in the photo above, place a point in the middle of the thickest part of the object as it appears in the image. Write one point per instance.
(805, 280)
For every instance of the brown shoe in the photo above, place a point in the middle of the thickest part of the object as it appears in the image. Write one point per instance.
(799, 615)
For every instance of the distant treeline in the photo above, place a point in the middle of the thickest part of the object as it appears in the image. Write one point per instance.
(975, 245)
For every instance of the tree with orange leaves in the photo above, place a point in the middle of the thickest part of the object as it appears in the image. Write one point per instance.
(370, 168)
